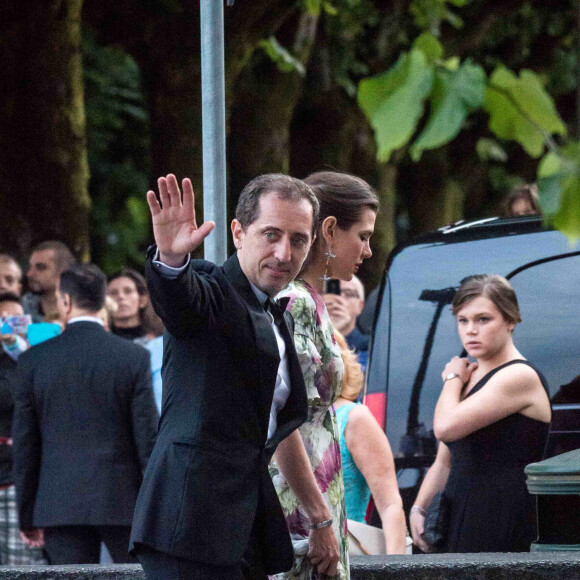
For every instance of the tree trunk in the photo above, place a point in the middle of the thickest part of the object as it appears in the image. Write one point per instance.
(43, 168)
(259, 140)
(165, 41)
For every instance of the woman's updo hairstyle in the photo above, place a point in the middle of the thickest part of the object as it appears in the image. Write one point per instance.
(343, 196)
(495, 288)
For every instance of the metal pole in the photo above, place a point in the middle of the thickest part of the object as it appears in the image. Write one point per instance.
(213, 127)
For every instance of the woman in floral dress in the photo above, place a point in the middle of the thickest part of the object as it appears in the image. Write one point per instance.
(348, 208)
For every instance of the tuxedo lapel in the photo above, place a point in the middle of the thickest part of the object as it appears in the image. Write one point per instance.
(268, 357)
(294, 412)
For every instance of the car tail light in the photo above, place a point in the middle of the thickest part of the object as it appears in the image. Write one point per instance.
(377, 403)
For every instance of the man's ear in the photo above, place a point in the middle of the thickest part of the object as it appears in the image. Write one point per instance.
(66, 301)
(327, 228)
(237, 234)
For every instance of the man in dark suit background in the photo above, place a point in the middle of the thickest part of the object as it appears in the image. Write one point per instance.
(84, 427)
(232, 390)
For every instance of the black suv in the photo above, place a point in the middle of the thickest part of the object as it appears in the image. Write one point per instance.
(414, 332)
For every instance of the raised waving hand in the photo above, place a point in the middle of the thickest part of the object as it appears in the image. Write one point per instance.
(174, 226)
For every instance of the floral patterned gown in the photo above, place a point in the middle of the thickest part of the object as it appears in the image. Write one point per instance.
(323, 369)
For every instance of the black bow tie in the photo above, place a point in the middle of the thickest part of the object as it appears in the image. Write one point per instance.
(277, 308)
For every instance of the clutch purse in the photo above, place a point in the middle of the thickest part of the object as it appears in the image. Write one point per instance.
(365, 540)
(437, 521)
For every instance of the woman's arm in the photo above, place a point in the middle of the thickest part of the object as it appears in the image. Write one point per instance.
(511, 390)
(294, 464)
(372, 454)
(434, 481)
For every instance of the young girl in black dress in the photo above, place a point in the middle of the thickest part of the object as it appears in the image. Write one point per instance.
(491, 419)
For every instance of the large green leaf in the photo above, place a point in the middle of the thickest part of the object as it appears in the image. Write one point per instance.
(393, 102)
(455, 95)
(567, 220)
(430, 46)
(520, 109)
(559, 185)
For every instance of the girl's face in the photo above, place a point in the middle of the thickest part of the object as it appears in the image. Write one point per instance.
(352, 246)
(482, 328)
(124, 292)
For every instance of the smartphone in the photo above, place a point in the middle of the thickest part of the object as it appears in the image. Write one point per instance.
(333, 286)
(15, 324)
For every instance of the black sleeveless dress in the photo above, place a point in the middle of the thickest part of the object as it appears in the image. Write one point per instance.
(491, 509)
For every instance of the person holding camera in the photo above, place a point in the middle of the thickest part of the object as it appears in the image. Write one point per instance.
(344, 301)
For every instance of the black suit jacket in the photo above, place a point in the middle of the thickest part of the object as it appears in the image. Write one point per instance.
(84, 427)
(207, 483)
(7, 377)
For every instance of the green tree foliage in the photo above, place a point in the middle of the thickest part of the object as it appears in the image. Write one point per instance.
(423, 102)
(559, 183)
(118, 137)
(394, 102)
(520, 109)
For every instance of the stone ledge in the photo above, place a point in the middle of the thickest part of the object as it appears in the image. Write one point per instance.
(532, 566)
(484, 566)
(84, 572)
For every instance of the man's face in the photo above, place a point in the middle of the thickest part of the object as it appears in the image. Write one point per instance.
(273, 248)
(10, 278)
(522, 206)
(352, 293)
(43, 277)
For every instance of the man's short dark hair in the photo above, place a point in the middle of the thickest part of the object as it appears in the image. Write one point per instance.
(63, 257)
(10, 297)
(284, 186)
(86, 285)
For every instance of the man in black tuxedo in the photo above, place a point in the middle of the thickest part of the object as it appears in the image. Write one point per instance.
(232, 390)
(84, 427)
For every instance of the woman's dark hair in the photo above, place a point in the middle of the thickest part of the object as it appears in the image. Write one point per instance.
(495, 288)
(343, 196)
(527, 192)
(86, 285)
(139, 279)
(149, 320)
(340, 195)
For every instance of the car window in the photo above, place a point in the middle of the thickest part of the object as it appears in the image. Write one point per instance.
(415, 333)
(549, 336)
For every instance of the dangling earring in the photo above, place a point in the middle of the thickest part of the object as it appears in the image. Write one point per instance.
(328, 255)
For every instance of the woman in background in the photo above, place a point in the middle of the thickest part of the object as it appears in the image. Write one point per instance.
(367, 459)
(492, 419)
(134, 318)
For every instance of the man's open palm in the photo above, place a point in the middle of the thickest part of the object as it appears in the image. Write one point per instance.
(174, 226)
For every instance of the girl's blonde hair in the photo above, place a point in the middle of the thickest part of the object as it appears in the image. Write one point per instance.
(353, 379)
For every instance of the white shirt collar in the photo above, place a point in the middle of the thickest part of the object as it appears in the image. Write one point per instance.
(86, 319)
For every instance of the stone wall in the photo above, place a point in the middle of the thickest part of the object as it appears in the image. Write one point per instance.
(533, 566)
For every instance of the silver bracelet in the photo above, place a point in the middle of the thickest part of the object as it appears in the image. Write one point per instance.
(321, 525)
(417, 508)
